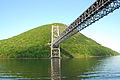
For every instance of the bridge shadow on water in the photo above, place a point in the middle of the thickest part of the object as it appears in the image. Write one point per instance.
(65, 53)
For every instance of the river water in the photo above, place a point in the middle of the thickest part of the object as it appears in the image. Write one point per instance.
(95, 68)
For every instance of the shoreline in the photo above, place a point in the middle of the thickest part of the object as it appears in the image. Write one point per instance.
(62, 57)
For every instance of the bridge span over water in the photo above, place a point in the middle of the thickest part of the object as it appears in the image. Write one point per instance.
(96, 11)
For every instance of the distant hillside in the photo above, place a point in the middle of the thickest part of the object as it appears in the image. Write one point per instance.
(34, 44)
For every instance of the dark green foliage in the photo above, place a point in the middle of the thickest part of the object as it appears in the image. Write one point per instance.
(34, 44)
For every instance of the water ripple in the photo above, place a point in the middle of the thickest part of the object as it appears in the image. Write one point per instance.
(21, 76)
(99, 76)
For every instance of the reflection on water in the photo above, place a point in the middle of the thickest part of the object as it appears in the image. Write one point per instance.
(100, 68)
(15, 69)
(55, 69)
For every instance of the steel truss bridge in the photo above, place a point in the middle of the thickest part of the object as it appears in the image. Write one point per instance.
(96, 11)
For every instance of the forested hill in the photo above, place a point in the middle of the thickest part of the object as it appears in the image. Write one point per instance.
(34, 44)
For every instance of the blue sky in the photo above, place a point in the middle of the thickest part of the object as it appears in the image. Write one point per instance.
(18, 16)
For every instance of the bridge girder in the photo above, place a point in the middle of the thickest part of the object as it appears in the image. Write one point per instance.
(96, 11)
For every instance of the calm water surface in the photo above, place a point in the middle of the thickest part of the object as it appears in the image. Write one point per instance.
(102, 68)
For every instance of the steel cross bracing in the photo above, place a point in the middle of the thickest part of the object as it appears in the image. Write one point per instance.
(55, 50)
(96, 11)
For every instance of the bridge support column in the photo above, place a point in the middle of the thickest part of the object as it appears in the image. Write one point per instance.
(55, 50)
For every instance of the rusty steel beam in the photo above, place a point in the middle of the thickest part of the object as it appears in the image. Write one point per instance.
(96, 11)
